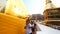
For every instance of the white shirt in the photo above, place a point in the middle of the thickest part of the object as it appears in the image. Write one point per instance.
(28, 30)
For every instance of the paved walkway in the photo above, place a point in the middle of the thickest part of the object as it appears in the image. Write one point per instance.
(47, 30)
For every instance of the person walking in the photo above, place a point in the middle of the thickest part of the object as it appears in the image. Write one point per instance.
(28, 27)
(33, 26)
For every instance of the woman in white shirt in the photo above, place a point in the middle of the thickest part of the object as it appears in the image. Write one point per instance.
(28, 27)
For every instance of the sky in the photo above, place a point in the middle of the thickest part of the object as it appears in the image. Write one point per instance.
(38, 6)
(34, 6)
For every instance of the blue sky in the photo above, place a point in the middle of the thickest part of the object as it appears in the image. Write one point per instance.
(35, 6)
(38, 6)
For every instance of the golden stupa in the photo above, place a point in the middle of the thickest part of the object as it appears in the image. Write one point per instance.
(9, 22)
(51, 15)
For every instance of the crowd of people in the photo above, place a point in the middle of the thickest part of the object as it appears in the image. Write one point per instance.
(31, 26)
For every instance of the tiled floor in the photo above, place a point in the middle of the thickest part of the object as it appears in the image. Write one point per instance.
(47, 30)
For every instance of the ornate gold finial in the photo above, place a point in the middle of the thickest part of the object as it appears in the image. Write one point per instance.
(49, 5)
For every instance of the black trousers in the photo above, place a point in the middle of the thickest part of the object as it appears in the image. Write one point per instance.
(30, 33)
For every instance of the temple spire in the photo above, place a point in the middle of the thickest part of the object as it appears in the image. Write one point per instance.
(49, 5)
